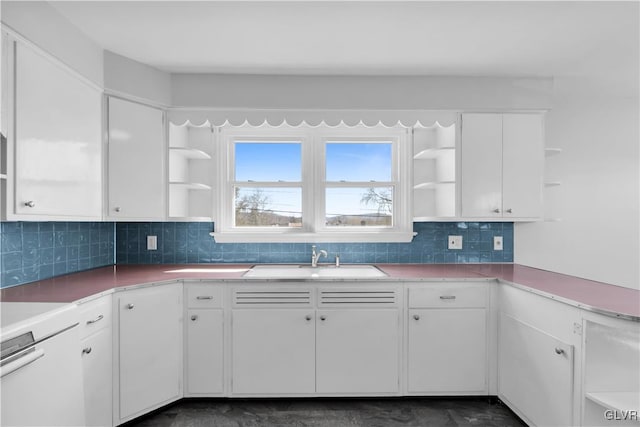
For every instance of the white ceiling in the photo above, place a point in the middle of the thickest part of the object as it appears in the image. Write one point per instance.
(368, 37)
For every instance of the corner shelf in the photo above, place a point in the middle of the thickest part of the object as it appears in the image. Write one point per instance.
(191, 179)
(190, 185)
(432, 185)
(190, 153)
(432, 153)
(617, 400)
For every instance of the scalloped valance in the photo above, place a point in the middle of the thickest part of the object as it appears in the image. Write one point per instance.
(255, 117)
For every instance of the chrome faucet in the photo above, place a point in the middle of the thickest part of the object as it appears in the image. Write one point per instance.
(316, 255)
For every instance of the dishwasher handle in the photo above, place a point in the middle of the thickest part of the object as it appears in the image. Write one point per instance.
(21, 362)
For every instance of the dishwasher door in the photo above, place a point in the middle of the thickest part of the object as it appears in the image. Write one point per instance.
(41, 378)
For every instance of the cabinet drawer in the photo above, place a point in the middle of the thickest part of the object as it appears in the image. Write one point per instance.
(459, 296)
(204, 295)
(94, 316)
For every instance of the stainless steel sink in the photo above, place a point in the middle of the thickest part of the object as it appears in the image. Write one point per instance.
(308, 272)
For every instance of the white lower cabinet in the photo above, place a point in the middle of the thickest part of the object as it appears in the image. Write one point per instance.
(204, 339)
(447, 351)
(97, 361)
(96, 369)
(537, 370)
(273, 351)
(536, 373)
(447, 339)
(150, 349)
(357, 351)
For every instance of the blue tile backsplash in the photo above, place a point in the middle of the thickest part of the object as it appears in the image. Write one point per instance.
(182, 242)
(31, 251)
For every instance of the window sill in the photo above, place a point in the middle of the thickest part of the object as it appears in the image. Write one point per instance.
(329, 237)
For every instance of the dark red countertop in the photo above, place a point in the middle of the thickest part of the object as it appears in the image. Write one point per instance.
(583, 293)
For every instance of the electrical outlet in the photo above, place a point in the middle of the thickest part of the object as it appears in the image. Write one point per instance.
(152, 243)
(497, 243)
(455, 242)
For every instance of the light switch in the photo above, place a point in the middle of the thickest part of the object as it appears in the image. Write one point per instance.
(455, 242)
(152, 243)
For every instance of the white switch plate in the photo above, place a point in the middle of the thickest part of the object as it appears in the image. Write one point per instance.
(152, 243)
(497, 243)
(455, 242)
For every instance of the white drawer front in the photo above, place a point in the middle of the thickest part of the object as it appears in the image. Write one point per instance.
(94, 316)
(204, 295)
(443, 296)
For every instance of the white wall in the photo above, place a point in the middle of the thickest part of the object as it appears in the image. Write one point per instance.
(41, 24)
(359, 92)
(135, 79)
(598, 201)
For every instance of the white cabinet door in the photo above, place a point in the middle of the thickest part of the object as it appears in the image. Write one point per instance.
(481, 169)
(136, 161)
(96, 368)
(150, 347)
(58, 128)
(502, 165)
(535, 373)
(204, 352)
(523, 165)
(357, 351)
(447, 351)
(273, 351)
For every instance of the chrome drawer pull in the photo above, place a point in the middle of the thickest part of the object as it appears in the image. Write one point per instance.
(447, 297)
(416, 317)
(194, 317)
(86, 350)
(559, 350)
(205, 297)
(97, 319)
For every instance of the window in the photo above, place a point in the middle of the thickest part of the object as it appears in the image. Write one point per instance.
(320, 184)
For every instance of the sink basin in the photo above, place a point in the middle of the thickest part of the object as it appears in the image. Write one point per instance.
(307, 272)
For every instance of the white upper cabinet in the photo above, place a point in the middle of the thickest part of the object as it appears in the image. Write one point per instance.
(136, 162)
(502, 162)
(56, 135)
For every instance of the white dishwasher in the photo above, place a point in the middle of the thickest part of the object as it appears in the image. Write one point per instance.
(41, 371)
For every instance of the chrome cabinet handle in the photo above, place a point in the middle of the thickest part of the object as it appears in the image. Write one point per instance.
(416, 317)
(509, 210)
(97, 319)
(194, 317)
(204, 297)
(30, 204)
(496, 210)
(559, 350)
(86, 350)
(130, 306)
(307, 317)
(323, 318)
(450, 297)
(117, 209)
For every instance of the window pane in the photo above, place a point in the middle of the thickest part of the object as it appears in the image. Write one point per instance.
(271, 162)
(358, 161)
(268, 207)
(359, 207)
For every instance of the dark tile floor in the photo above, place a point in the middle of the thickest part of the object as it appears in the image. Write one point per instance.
(345, 412)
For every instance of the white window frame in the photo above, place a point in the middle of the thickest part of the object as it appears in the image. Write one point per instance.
(313, 141)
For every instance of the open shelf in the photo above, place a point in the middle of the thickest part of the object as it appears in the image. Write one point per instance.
(190, 153)
(191, 185)
(432, 185)
(432, 153)
(191, 179)
(618, 400)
